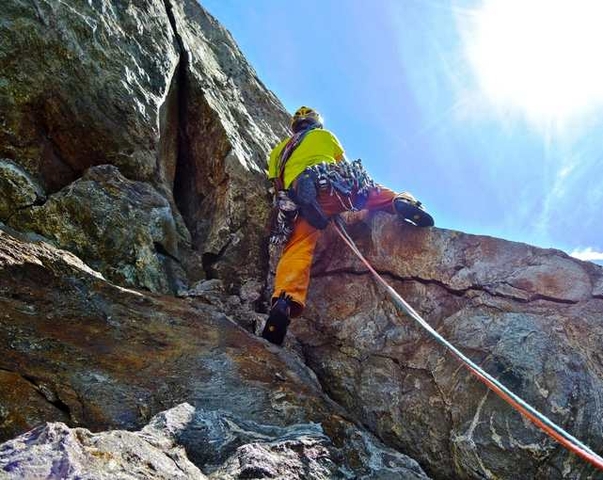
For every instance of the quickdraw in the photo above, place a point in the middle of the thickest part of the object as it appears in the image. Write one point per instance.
(541, 421)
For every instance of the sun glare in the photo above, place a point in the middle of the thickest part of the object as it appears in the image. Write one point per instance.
(543, 56)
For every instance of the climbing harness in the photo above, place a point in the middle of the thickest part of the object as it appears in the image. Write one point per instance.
(541, 421)
(349, 182)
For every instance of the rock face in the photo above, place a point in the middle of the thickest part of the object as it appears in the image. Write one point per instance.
(161, 92)
(84, 85)
(223, 448)
(92, 354)
(56, 451)
(530, 317)
(133, 139)
(105, 216)
(223, 197)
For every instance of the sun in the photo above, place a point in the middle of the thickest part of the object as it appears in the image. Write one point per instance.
(543, 56)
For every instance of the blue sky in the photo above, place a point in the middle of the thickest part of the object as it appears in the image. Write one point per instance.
(401, 84)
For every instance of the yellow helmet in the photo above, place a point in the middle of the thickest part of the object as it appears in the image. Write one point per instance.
(303, 117)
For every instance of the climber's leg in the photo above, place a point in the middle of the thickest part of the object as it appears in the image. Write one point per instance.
(381, 199)
(404, 204)
(293, 269)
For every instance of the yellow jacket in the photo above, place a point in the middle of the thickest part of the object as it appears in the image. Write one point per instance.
(318, 146)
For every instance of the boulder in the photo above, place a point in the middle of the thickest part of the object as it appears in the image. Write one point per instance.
(121, 228)
(528, 316)
(56, 451)
(222, 446)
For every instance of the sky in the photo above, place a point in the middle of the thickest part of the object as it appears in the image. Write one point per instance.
(490, 112)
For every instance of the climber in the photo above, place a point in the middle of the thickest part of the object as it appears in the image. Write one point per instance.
(314, 182)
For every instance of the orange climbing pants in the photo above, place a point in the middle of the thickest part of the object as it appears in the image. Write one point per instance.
(293, 269)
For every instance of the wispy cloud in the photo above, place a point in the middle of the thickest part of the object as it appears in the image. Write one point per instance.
(587, 253)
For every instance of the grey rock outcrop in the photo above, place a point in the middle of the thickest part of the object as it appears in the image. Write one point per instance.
(531, 317)
(222, 449)
(55, 451)
(123, 228)
(99, 356)
(159, 90)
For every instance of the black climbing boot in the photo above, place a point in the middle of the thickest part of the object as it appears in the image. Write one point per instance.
(410, 209)
(278, 320)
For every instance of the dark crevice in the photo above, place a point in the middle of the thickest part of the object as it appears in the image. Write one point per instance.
(55, 172)
(538, 296)
(458, 292)
(40, 199)
(48, 395)
(184, 174)
(167, 148)
(38, 202)
(209, 259)
(159, 248)
(264, 301)
(200, 176)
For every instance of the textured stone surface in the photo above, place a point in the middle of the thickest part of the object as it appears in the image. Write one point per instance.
(229, 123)
(83, 84)
(35, 402)
(106, 357)
(55, 451)
(160, 90)
(221, 446)
(18, 189)
(90, 84)
(122, 228)
(526, 315)
(229, 447)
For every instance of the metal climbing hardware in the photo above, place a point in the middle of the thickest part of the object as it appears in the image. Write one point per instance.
(345, 179)
(349, 182)
(286, 214)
